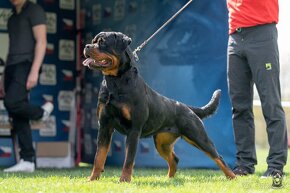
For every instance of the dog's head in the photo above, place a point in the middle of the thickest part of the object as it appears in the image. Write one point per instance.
(107, 53)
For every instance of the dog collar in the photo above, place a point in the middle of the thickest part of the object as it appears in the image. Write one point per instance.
(133, 58)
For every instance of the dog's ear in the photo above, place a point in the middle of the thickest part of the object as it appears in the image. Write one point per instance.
(122, 41)
(126, 40)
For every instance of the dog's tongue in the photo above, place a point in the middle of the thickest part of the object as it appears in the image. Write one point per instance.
(88, 61)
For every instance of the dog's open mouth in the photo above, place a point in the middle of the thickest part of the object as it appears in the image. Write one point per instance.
(90, 62)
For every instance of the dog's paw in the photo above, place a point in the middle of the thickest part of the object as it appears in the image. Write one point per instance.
(93, 177)
(125, 178)
(171, 175)
(231, 176)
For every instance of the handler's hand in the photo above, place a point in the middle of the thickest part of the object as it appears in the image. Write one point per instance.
(31, 80)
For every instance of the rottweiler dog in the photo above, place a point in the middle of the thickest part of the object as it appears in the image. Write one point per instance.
(126, 103)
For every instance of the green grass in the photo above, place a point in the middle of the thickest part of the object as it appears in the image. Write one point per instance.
(143, 181)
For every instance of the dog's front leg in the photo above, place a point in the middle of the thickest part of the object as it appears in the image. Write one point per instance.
(103, 146)
(131, 148)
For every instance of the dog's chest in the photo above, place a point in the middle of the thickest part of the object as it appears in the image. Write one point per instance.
(121, 89)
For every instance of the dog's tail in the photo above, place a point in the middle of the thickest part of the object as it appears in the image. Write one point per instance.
(209, 108)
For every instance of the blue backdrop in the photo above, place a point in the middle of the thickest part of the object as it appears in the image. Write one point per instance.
(186, 61)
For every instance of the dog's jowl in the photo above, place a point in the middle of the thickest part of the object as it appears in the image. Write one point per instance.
(126, 103)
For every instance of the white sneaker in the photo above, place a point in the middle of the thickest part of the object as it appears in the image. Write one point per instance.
(48, 108)
(22, 166)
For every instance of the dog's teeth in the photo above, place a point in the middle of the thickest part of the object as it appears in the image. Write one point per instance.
(102, 61)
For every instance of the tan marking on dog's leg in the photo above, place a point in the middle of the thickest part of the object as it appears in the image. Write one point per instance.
(100, 109)
(99, 163)
(126, 111)
(127, 171)
(229, 174)
(164, 143)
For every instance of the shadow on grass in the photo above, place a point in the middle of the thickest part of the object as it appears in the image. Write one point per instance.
(141, 177)
(77, 172)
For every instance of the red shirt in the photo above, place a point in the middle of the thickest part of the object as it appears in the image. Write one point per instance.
(247, 13)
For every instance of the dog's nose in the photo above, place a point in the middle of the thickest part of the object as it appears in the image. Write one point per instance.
(87, 50)
(88, 46)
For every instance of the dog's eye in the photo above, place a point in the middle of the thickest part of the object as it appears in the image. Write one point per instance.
(101, 42)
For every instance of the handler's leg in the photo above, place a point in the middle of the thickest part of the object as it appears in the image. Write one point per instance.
(264, 62)
(24, 133)
(16, 98)
(241, 95)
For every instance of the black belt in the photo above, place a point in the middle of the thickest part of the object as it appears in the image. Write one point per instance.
(240, 29)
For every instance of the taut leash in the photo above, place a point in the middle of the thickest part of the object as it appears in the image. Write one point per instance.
(167, 22)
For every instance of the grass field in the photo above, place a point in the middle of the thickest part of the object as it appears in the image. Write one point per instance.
(144, 180)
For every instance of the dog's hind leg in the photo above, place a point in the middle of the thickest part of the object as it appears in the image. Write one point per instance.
(164, 143)
(194, 133)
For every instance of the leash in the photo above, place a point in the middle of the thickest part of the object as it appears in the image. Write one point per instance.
(166, 23)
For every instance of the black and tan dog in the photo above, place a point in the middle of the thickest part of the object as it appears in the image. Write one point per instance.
(127, 104)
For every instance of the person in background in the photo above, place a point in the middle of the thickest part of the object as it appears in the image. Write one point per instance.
(27, 45)
(253, 58)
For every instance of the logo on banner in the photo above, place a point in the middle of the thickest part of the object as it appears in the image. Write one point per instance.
(47, 97)
(66, 50)
(144, 147)
(97, 14)
(49, 129)
(65, 100)
(49, 49)
(132, 7)
(67, 125)
(68, 24)
(4, 40)
(4, 118)
(117, 146)
(4, 15)
(67, 4)
(68, 75)
(107, 12)
(51, 22)
(119, 10)
(5, 151)
(48, 74)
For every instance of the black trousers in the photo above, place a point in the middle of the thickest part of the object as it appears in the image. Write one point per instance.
(253, 58)
(16, 102)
